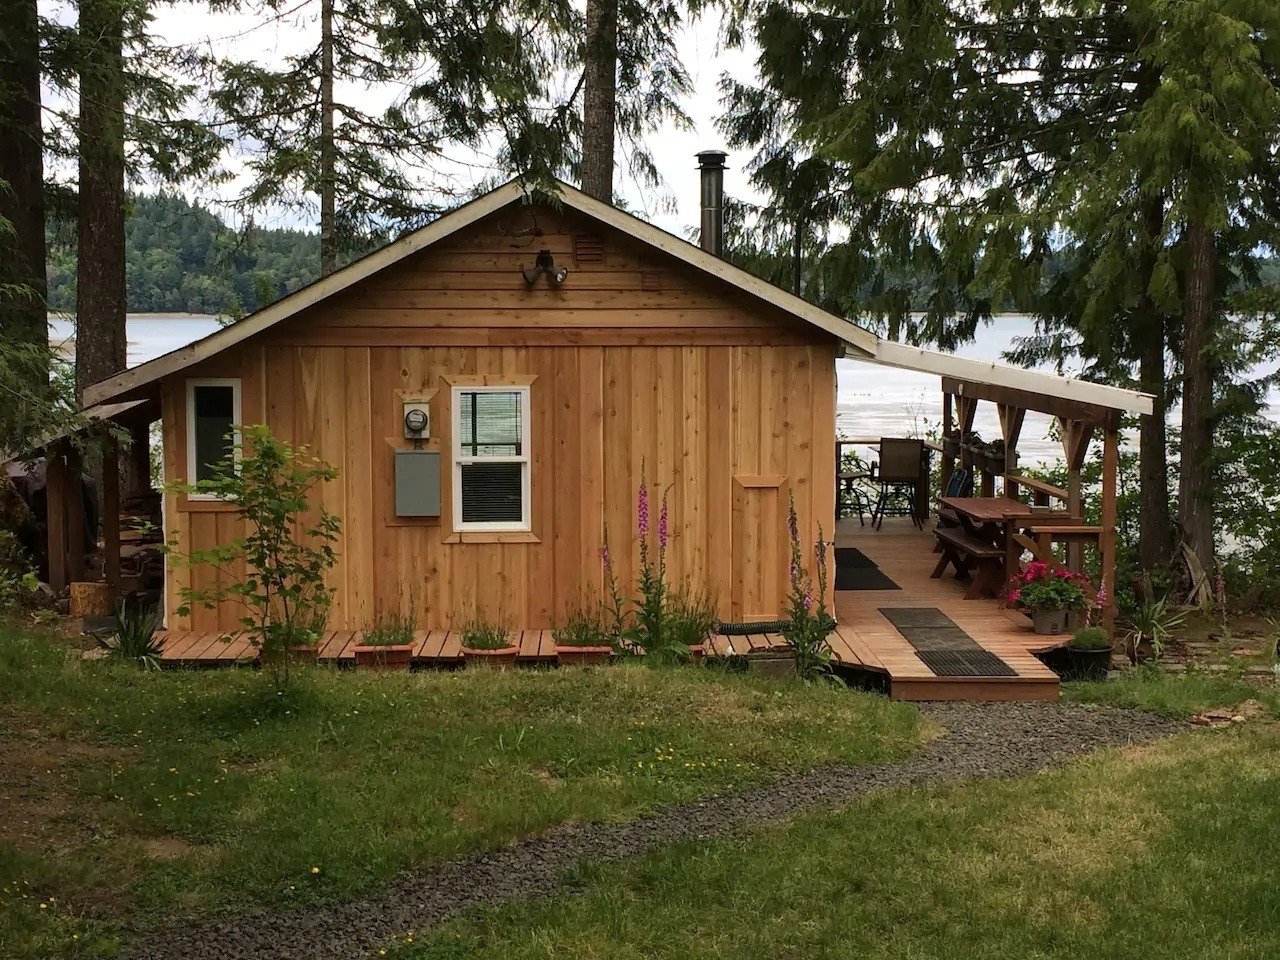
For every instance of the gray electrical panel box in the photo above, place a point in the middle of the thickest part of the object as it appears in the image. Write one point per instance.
(417, 483)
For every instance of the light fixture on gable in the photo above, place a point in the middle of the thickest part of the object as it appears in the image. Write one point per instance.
(545, 264)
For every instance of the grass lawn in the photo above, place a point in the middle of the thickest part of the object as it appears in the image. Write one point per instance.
(1170, 851)
(129, 796)
(1148, 688)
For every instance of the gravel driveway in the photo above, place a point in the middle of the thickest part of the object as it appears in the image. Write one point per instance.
(981, 740)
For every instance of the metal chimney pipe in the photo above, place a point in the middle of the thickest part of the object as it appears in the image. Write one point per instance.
(711, 165)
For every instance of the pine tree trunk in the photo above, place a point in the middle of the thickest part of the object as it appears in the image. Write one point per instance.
(100, 264)
(328, 149)
(600, 98)
(22, 253)
(1196, 479)
(1155, 542)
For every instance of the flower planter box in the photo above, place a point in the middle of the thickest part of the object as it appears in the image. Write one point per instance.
(774, 664)
(1049, 623)
(396, 656)
(580, 656)
(1088, 664)
(500, 658)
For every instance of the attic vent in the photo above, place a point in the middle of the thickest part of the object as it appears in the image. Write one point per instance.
(651, 282)
(588, 248)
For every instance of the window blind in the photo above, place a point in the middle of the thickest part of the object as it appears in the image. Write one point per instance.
(492, 492)
(490, 424)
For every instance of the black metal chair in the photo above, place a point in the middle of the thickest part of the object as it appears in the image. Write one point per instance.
(852, 493)
(900, 473)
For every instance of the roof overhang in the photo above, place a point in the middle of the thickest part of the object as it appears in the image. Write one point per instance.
(1040, 391)
(128, 384)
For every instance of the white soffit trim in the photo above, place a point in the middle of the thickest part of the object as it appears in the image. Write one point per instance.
(908, 357)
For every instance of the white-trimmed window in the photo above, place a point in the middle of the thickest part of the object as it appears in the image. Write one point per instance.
(213, 413)
(491, 458)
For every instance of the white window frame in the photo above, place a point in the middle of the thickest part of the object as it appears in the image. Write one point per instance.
(234, 384)
(525, 524)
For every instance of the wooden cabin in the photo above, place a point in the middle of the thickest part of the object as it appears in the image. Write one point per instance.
(563, 352)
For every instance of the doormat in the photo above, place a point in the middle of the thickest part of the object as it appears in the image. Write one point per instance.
(856, 571)
(943, 647)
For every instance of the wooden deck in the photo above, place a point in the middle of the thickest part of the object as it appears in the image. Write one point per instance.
(864, 644)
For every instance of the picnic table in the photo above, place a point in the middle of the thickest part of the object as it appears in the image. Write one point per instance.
(981, 545)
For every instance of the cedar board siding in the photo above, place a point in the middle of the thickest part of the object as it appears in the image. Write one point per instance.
(727, 404)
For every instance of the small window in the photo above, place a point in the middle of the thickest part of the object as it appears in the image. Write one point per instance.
(213, 411)
(491, 458)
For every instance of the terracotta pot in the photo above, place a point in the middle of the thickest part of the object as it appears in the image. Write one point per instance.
(501, 658)
(1049, 623)
(697, 651)
(395, 656)
(575, 656)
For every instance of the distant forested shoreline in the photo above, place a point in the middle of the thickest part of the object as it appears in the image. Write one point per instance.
(182, 258)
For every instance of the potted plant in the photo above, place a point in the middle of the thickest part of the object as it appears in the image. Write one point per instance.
(486, 643)
(1048, 594)
(583, 640)
(1089, 654)
(388, 646)
(690, 620)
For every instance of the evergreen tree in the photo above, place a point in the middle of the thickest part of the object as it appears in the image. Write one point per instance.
(22, 253)
(315, 139)
(631, 81)
(101, 346)
(1094, 158)
(599, 98)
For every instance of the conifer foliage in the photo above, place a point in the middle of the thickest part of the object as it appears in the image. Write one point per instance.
(1113, 165)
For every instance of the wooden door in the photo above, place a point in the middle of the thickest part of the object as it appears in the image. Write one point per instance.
(760, 547)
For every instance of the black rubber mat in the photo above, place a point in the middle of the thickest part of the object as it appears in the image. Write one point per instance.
(965, 663)
(943, 647)
(856, 571)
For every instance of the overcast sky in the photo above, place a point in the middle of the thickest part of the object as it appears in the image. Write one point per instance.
(674, 207)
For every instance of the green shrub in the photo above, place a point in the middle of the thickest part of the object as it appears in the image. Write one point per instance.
(1150, 620)
(481, 633)
(284, 595)
(392, 629)
(1091, 638)
(690, 621)
(808, 622)
(586, 626)
(133, 636)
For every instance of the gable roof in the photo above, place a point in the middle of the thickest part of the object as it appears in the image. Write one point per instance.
(862, 340)
(860, 343)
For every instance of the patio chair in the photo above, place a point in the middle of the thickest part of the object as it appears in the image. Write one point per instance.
(960, 485)
(851, 492)
(899, 472)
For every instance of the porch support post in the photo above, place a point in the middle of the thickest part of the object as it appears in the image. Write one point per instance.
(948, 459)
(138, 473)
(55, 500)
(111, 515)
(1107, 539)
(1076, 436)
(64, 514)
(1011, 419)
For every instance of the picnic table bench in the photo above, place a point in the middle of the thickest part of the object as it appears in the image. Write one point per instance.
(978, 560)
